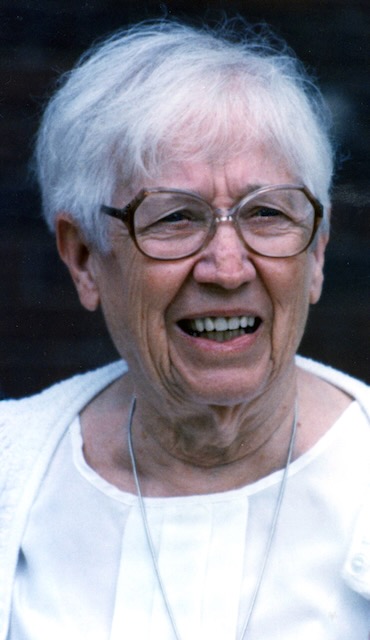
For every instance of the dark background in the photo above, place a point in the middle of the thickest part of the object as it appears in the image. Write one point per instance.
(45, 335)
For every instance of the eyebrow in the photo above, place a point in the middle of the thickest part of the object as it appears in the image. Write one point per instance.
(250, 188)
(240, 194)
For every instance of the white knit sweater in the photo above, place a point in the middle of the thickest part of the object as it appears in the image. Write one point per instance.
(30, 430)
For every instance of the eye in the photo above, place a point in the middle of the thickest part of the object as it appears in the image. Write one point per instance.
(178, 221)
(180, 215)
(265, 220)
(267, 212)
(265, 215)
(158, 216)
(261, 211)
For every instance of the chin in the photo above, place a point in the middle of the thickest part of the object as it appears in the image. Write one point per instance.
(236, 389)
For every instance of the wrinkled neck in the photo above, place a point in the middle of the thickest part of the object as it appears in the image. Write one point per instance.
(220, 446)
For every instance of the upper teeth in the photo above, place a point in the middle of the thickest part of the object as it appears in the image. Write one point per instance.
(222, 323)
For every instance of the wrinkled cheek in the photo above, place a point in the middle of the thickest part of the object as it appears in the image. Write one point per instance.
(147, 301)
(290, 318)
(302, 310)
(146, 346)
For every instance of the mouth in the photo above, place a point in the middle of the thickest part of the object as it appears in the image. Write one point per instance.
(220, 328)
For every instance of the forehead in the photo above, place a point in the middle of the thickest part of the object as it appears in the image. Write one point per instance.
(228, 177)
(233, 177)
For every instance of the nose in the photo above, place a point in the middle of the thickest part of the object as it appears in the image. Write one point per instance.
(225, 260)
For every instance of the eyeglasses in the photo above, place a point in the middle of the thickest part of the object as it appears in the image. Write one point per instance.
(277, 221)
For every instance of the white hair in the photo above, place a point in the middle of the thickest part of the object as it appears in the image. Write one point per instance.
(163, 92)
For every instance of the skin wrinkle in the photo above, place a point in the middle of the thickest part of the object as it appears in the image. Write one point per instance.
(198, 410)
(171, 387)
(190, 434)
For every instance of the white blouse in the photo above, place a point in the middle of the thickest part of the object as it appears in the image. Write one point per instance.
(85, 571)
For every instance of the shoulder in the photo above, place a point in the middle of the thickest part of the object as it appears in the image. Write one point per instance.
(324, 394)
(30, 430)
(338, 381)
(26, 422)
(332, 382)
(85, 384)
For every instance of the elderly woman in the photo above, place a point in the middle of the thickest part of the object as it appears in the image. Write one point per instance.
(216, 485)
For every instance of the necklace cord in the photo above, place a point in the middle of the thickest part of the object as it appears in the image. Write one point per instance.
(274, 522)
(272, 532)
(146, 523)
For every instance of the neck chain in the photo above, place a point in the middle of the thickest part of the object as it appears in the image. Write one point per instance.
(271, 535)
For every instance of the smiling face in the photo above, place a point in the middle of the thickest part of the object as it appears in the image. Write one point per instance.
(219, 327)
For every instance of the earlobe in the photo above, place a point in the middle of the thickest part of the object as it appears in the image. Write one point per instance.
(317, 278)
(77, 255)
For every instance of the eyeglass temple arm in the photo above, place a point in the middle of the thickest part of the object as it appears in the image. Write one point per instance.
(126, 211)
(120, 214)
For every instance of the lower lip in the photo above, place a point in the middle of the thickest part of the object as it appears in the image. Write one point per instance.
(228, 346)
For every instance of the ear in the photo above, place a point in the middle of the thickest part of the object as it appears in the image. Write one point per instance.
(317, 275)
(79, 258)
